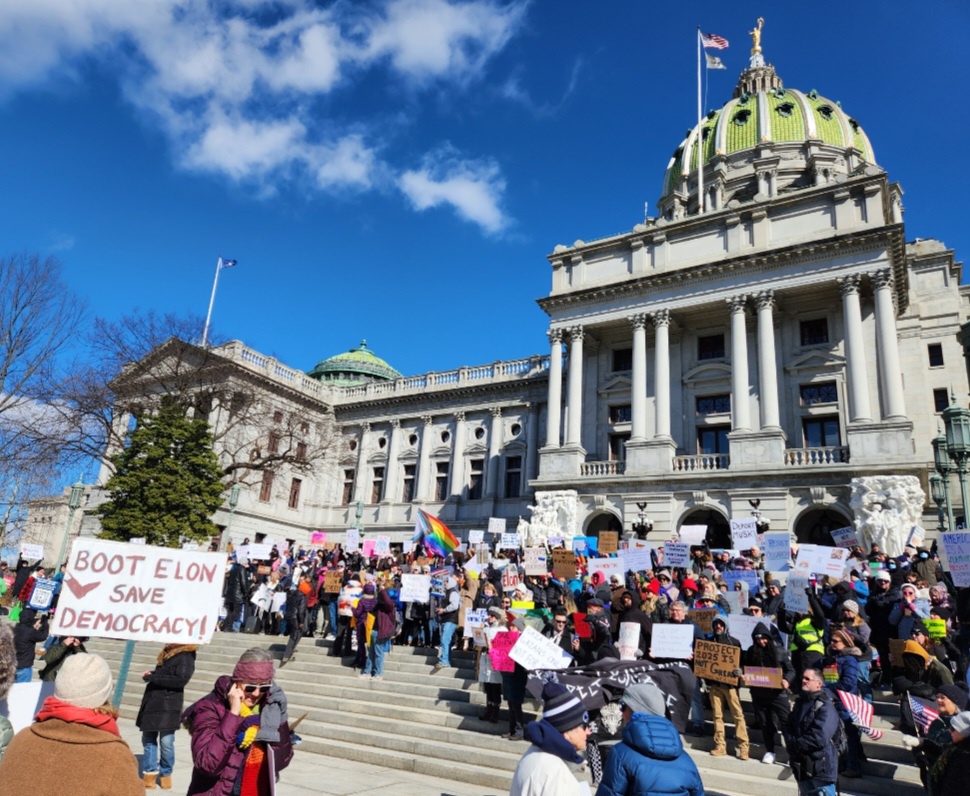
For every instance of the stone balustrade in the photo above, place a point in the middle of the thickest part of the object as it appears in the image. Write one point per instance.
(810, 457)
(587, 469)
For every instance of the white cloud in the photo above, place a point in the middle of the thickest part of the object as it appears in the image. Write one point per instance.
(238, 86)
(473, 188)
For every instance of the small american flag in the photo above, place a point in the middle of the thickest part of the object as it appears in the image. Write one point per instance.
(923, 714)
(861, 713)
(714, 41)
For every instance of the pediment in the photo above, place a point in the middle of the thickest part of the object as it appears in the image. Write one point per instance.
(615, 384)
(707, 373)
(476, 449)
(816, 360)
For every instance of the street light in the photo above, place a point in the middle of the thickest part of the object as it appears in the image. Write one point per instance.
(233, 502)
(956, 420)
(939, 497)
(643, 524)
(941, 463)
(73, 503)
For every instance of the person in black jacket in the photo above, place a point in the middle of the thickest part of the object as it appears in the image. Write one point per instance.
(236, 595)
(161, 710)
(296, 618)
(771, 707)
(59, 652)
(813, 724)
(30, 631)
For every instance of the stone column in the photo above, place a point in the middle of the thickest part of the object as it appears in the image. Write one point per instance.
(554, 406)
(391, 485)
(638, 387)
(360, 479)
(494, 448)
(740, 405)
(120, 425)
(532, 448)
(458, 457)
(887, 346)
(855, 350)
(661, 326)
(425, 475)
(766, 360)
(575, 394)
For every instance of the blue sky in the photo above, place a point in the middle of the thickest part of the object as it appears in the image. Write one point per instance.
(398, 170)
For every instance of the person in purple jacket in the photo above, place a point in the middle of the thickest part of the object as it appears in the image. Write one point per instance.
(240, 731)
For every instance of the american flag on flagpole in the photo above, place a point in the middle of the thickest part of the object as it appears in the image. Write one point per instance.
(713, 41)
(923, 714)
(861, 713)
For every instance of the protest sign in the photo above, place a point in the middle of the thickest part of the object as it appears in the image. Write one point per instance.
(742, 626)
(608, 542)
(353, 540)
(190, 545)
(535, 561)
(956, 548)
(702, 617)
(510, 578)
(496, 525)
(318, 538)
(498, 654)
(28, 552)
(277, 602)
(476, 537)
(42, 595)
(592, 543)
(672, 641)
(795, 597)
(676, 554)
(605, 566)
(777, 551)
(475, 619)
(137, 540)
(523, 605)
(437, 585)
(563, 564)
(259, 551)
(916, 536)
(581, 626)
(714, 661)
(636, 559)
(737, 600)
(896, 651)
(749, 576)
(367, 547)
(762, 677)
(579, 544)
(744, 533)
(382, 546)
(628, 641)
(936, 628)
(555, 541)
(694, 535)
(821, 560)
(140, 593)
(24, 701)
(532, 651)
(845, 537)
(510, 541)
(332, 581)
(415, 588)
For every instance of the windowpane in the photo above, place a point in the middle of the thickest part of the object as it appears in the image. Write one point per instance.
(274, 443)
(476, 479)
(714, 404)
(266, 487)
(622, 359)
(377, 485)
(821, 432)
(407, 494)
(441, 481)
(941, 399)
(815, 331)
(513, 476)
(713, 439)
(348, 493)
(935, 351)
(621, 414)
(301, 451)
(295, 486)
(618, 447)
(710, 347)
(824, 393)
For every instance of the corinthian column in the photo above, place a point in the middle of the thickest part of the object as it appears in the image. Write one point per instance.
(638, 388)
(887, 346)
(424, 459)
(766, 360)
(575, 394)
(360, 478)
(494, 447)
(740, 406)
(661, 352)
(554, 404)
(458, 457)
(855, 350)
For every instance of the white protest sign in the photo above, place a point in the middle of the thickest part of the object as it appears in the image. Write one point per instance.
(693, 535)
(31, 551)
(534, 651)
(476, 537)
(277, 602)
(822, 560)
(777, 551)
(190, 545)
(535, 561)
(24, 701)
(260, 552)
(629, 641)
(605, 566)
(676, 554)
(845, 537)
(475, 619)
(636, 559)
(496, 525)
(957, 549)
(137, 540)
(140, 593)
(795, 597)
(42, 595)
(510, 541)
(415, 588)
(382, 547)
(672, 641)
(352, 542)
(555, 541)
(916, 536)
(744, 533)
(738, 600)
(742, 627)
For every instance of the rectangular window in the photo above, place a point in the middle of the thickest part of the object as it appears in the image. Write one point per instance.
(941, 399)
(266, 487)
(618, 447)
(622, 359)
(304, 427)
(713, 439)
(935, 351)
(821, 432)
(814, 394)
(407, 493)
(815, 331)
(295, 485)
(513, 476)
(348, 494)
(476, 479)
(621, 414)
(377, 485)
(441, 482)
(713, 404)
(301, 451)
(273, 446)
(277, 416)
(710, 346)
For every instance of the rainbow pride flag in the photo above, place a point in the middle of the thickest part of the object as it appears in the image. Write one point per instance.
(434, 534)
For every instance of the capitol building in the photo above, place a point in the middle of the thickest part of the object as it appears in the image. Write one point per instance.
(769, 336)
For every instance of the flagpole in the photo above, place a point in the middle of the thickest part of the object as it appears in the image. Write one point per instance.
(212, 300)
(700, 137)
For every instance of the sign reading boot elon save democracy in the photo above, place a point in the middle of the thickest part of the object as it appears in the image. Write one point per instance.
(140, 593)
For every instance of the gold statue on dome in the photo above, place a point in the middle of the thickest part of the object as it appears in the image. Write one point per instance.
(756, 36)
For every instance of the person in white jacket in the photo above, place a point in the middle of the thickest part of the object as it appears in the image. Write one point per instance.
(548, 765)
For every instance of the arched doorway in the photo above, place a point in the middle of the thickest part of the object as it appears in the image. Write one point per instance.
(815, 525)
(718, 527)
(604, 521)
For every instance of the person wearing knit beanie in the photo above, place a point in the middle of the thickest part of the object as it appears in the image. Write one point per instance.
(84, 681)
(960, 697)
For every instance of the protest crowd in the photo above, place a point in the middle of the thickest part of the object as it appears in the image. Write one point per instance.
(653, 635)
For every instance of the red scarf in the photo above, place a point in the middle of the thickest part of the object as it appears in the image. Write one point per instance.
(53, 708)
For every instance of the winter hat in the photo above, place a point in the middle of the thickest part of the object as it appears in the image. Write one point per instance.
(497, 612)
(883, 575)
(370, 589)
(561, 709)
(775, 583)
(958, 696)
(689, 584)
(941, 611)
(960, 724)
(719, 620)
(596, 602)
(645, 698)
(845, 638)
(851, 605)
(84, 680)
(664, 573)
(654, 587)
(913, 648)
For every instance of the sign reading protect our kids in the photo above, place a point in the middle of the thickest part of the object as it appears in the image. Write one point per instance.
(140, 593)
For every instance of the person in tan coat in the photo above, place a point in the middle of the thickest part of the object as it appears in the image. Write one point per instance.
(74, 740)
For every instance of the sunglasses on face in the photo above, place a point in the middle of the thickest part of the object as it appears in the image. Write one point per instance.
(248, 688)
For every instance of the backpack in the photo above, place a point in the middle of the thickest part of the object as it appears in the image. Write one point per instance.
(840, 740)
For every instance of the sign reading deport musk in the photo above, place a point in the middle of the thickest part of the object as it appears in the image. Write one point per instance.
(140, 593)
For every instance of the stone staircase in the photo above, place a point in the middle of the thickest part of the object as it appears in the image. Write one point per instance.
(429, 724)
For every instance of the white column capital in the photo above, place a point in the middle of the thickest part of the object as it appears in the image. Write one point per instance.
(576, 334)
(554, 335)
(882, 278)
(496, 411)
(395, 423)
(459, 417)
(427, 419)
(765, 300)
(364, 427)
(660, 317)
(638, 321)
(737, 303)
(849, 284)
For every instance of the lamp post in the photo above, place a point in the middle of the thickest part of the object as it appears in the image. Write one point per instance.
(939, 497)
(73, 503)
(941, 463)
(643, 524)
(233, 502)
(956, 420)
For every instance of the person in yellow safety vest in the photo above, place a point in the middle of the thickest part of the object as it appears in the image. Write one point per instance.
(807, 635)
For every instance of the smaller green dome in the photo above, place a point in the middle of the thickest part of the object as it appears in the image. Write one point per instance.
(357, 366)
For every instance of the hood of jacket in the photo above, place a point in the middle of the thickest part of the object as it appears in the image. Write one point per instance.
(653, 736)
(761, 629)
(547, 738)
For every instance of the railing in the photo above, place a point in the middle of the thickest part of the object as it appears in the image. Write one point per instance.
(701, 463)
(602, 468)
(807, 457)
(272, 369)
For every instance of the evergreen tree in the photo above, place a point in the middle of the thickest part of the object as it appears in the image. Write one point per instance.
(167, 481)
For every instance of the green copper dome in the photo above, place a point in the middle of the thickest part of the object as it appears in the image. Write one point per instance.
(358, 366)
(766, 140)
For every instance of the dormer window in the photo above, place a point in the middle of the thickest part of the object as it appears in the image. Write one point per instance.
(786, 109)
(741, 117)
(825, 111)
